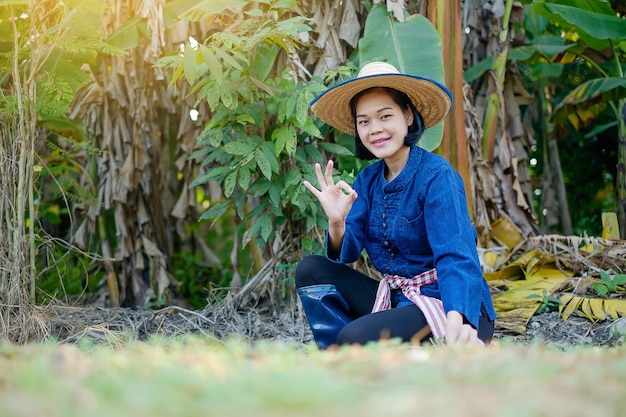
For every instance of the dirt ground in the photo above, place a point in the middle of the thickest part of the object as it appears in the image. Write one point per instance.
(286, 323)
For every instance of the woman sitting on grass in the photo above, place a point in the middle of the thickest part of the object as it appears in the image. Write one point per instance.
(407, 210)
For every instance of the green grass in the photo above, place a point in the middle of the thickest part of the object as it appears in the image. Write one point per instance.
(196, 377)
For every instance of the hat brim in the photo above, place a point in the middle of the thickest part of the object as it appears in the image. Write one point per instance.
(431, 99)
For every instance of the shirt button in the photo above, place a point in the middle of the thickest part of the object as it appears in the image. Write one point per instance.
(386, 244)
(384, 215)
(385, 225)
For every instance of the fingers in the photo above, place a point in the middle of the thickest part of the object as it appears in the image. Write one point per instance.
(459, 333)
(324, 179)
(347, 189)
(328, 174)
(312, 189)
(464, 335)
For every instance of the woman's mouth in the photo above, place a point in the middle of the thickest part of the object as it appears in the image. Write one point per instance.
(379, 142)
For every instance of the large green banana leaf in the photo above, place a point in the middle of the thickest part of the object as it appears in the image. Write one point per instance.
(413, 46)
(542, 50)
(578, 103)
(595, 26)
(128, 35)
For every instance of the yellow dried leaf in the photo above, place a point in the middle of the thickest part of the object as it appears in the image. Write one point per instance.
(597, 308)
(610, 227)
(505, 232)
(615, 308)
(585, 308)
(569, 304)
(592, 308)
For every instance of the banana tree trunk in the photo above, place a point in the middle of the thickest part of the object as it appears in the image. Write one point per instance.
(555, 208)
(492, 163)
(446, 16)
(490, 124)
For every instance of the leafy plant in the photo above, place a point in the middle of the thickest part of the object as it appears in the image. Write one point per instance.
(609, 283)
(549, 302)
(66, 275)
(259, 142)
(196, 278)
(44, 47)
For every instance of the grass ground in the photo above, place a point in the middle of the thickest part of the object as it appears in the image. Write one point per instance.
(199, 377)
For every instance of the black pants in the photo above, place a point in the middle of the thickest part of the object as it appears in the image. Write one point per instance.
(359, 291)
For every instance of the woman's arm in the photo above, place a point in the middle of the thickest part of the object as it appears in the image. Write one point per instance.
(336, 200)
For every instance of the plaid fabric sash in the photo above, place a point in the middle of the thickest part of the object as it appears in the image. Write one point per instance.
(431, 307)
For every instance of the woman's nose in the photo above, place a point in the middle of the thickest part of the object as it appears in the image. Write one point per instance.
(375, 126)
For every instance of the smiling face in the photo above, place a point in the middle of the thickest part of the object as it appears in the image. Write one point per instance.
(382, 126)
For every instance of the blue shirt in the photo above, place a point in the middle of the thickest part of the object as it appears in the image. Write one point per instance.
(416, 222)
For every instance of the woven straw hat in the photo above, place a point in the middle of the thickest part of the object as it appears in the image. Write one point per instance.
(430, 98)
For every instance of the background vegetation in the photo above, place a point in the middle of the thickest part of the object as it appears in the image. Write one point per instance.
(153, 154)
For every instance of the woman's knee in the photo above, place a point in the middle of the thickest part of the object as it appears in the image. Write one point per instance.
(308, 270)
(355, 333)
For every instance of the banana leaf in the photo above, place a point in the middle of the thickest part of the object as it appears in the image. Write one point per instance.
(412, 46)
(577, 105)
(542, 50)
(594, 27)
(592, 308)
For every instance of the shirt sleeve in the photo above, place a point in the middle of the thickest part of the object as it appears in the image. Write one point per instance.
(453, 239)
(356, 227)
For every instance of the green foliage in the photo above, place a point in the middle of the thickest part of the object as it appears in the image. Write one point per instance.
(197, 279)
(548, 302)
(44, 47)
(66, 36)
(66, 275)
(609, 283)
(260, 141)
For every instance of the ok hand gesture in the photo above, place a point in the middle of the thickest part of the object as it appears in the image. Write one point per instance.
(336, 199)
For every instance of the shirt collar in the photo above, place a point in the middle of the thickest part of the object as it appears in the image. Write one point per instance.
(407, 173)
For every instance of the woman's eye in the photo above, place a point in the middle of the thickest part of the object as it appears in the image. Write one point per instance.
(385, 116)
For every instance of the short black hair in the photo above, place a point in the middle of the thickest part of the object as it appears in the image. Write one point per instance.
(416, 130)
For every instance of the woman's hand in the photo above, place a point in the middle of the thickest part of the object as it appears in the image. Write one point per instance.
(458, 333)
(336, 199)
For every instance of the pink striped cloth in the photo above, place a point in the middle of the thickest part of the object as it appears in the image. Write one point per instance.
(431, 307)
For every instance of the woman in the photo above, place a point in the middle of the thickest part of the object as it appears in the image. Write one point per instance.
(407, 210)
